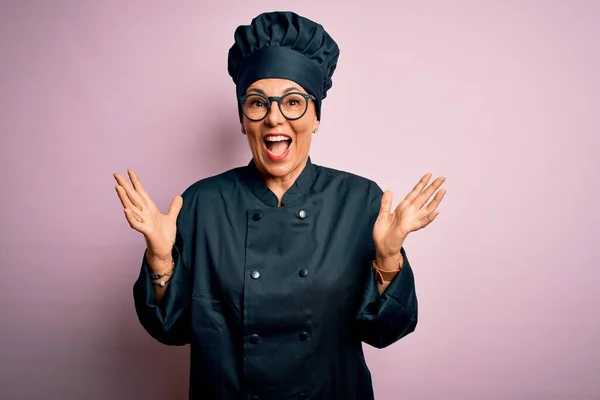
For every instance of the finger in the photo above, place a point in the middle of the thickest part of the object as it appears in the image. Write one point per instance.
(137, 185)
(386, 203)
(429, 218)
(133, 196)
(417, 189)
(133, 221)
(435, 185)
(175, 207)
(436, 200)
(125, 201)
(422, 198)
(133, 214)
(424, 221)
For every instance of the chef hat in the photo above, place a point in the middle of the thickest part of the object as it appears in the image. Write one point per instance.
(283, 45)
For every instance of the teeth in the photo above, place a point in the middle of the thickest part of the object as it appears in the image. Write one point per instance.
(276, 138)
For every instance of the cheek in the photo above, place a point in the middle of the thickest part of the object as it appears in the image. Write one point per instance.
(304, 139)
(251, 132)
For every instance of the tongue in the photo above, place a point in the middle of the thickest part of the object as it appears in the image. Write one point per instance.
(278, 148)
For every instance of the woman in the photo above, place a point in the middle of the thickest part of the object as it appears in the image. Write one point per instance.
(275, 272)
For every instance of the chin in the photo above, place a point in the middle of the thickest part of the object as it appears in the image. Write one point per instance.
(279, 168)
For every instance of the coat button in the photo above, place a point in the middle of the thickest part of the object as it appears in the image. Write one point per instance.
(257, 216)
(302, 214)
(254, 338)
(303, 336)
(303, 272)
(255, 274)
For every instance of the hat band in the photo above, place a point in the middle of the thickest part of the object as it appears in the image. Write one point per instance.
(283, 63)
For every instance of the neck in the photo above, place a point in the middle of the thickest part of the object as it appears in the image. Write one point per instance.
(280, 184)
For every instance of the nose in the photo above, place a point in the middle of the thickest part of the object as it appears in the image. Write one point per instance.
(274, 116)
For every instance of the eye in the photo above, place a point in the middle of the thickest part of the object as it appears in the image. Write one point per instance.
(257, 103)
(294, 101)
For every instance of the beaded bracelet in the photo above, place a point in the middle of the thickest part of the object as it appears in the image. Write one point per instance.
(158, 276)
(162, 283)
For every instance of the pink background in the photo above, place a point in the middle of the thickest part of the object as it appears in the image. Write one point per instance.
(503, 98)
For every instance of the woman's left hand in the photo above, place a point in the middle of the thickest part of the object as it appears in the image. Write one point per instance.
(412, 214)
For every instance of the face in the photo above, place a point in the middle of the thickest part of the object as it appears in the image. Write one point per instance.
(278, 159)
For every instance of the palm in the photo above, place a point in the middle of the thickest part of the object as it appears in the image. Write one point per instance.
(159, 232)
(159, 229)
(391, 228)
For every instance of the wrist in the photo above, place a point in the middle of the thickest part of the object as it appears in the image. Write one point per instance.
(161, 277)
(151, 254)
(389, 263)
(159, 265)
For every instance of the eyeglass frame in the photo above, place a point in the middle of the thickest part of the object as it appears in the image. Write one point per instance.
(278, 99)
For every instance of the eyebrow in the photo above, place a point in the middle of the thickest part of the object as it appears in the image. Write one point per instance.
(260, 91)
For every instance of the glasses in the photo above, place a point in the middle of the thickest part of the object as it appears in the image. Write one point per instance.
(292, 105)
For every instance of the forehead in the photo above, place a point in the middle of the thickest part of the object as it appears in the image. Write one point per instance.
(274, 86)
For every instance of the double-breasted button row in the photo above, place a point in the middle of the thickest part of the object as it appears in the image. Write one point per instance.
(303, 273)
(255, 339)
(258, 216)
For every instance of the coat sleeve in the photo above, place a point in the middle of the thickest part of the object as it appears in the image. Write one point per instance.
(170, 322)
(384, 319)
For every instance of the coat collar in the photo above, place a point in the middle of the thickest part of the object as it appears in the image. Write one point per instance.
(255, 181)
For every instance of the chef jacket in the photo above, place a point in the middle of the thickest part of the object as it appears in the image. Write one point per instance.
(275, 302)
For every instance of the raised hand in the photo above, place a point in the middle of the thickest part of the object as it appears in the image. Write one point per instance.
(412, 214)
(142, 214)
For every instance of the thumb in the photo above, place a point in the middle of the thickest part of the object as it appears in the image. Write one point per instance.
(386, 204)
(175, 207)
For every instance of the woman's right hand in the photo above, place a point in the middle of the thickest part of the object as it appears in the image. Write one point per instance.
(159, 229)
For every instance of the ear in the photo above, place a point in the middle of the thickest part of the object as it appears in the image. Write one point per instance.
(316, 127)
(243, 129)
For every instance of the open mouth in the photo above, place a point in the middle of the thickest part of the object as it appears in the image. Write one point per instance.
(277, 145)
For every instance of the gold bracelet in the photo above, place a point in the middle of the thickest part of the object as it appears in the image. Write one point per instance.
(169, 273)
(162, 283)
(383, 274)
